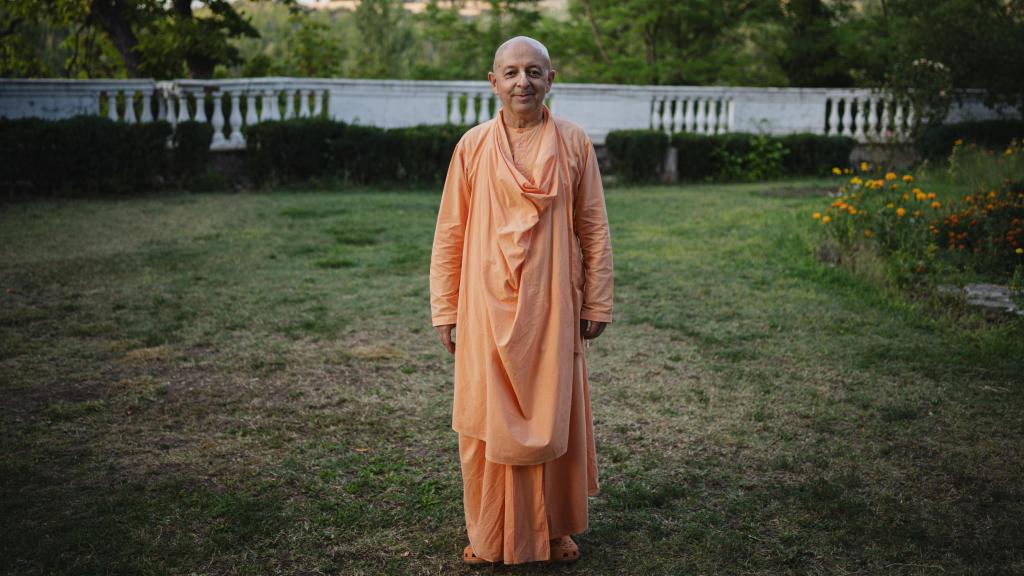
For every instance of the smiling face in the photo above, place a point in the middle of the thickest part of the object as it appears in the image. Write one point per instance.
(521, 78)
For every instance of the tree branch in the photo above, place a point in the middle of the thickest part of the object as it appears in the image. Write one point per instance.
(595, 32)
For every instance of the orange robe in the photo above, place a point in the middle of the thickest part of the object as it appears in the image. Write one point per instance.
(521, 253)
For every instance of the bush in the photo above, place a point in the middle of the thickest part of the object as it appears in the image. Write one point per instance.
(815, 155)
(935, 144)
(304, 148)
(191, 150)
(969, 218)
(637, 155)
(82, 154)
(742, 156)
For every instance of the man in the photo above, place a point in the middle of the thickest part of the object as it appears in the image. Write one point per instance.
(522, 266)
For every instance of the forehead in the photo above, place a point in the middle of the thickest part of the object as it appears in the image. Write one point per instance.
(520, 54)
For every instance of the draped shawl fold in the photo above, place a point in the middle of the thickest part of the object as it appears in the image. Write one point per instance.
(507, 257)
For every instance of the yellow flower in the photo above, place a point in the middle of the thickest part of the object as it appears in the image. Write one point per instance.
(816, 215)
(890, 176)
(856, 181)
(889, 205)
(837, 171)
(1019, 250)
(864, 166)
(852, 210)
(868, 233)
(905, 196)
(847, 171)
(917, 213)
(826, 220)
(908, 178)
(958, 142)
(901, 211)
(931, 196)
(1009, 152)
(936, 205)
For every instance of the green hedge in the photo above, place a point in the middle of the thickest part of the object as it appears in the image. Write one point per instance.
(636, 155)
(304, 148)
(82, 154)
(739, 155)
(935, 144)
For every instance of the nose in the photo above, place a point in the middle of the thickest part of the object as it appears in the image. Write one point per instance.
(522, 79)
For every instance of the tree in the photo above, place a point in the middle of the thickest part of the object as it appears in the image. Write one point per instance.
(384, 39)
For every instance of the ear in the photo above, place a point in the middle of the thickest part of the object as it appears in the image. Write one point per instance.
(551, 77)
(494, 82)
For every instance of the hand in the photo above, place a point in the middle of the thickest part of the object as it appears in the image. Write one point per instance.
(445, 333)
(591, 329)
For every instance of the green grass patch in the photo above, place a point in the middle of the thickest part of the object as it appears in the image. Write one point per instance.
(248, 384)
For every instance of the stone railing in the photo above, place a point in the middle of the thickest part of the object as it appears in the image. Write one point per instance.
(599, 108)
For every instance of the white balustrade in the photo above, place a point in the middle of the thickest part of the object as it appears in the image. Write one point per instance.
(597, 108)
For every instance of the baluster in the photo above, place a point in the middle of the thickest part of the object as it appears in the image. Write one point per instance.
(677, 115)
(304, 103)
(162, 113)
(270, 106)
(287, 106)
(715, 120)
(453, 108)
(731, 115)
(833, 117)
(698, 121)
(471, 109)
(218, 121)
(236, 136)
(251, 118)
(201, 106)
(866, 124)
(129, 107)
(112, 106)
(666, 115)
(842, 109)
(911, 116)
(147, 103)
(314, 109)
(183, 114)
(688, 115)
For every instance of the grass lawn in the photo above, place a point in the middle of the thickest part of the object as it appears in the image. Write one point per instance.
(249, 384)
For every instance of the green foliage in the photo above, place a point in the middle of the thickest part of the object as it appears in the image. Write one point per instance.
(739, 156)
(637, 155)
(384, 39)
(967, 220)
(814, 154)
(936, 143)
(312, 148)
(191, 151)
(83, 154)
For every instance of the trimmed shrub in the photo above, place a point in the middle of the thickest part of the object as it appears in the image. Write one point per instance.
(82, 154)
(637, 155)
(935, 144)
(743, 156)
(304, 148)
(191, 150)
(425, 151)
(814, 154)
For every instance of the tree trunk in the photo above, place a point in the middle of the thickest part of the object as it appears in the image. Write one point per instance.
(112, 17)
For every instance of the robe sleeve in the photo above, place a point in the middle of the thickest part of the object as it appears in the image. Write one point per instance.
(591, 222)
(446, 255)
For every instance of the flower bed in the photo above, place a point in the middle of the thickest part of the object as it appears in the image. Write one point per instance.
(966, 219)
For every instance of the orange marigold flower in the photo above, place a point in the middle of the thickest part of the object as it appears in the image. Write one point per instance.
(826, 219)
(868, 233)
(908, 178)
(852, 210)
(890, 175)
(816, 215)
(936, 205)
(958, 142)
(931, 196)
(901, 211)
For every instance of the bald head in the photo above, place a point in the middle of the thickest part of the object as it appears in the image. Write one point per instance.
(517, 45)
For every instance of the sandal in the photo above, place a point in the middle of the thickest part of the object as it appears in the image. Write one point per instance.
(564, 550)
(470, 557)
